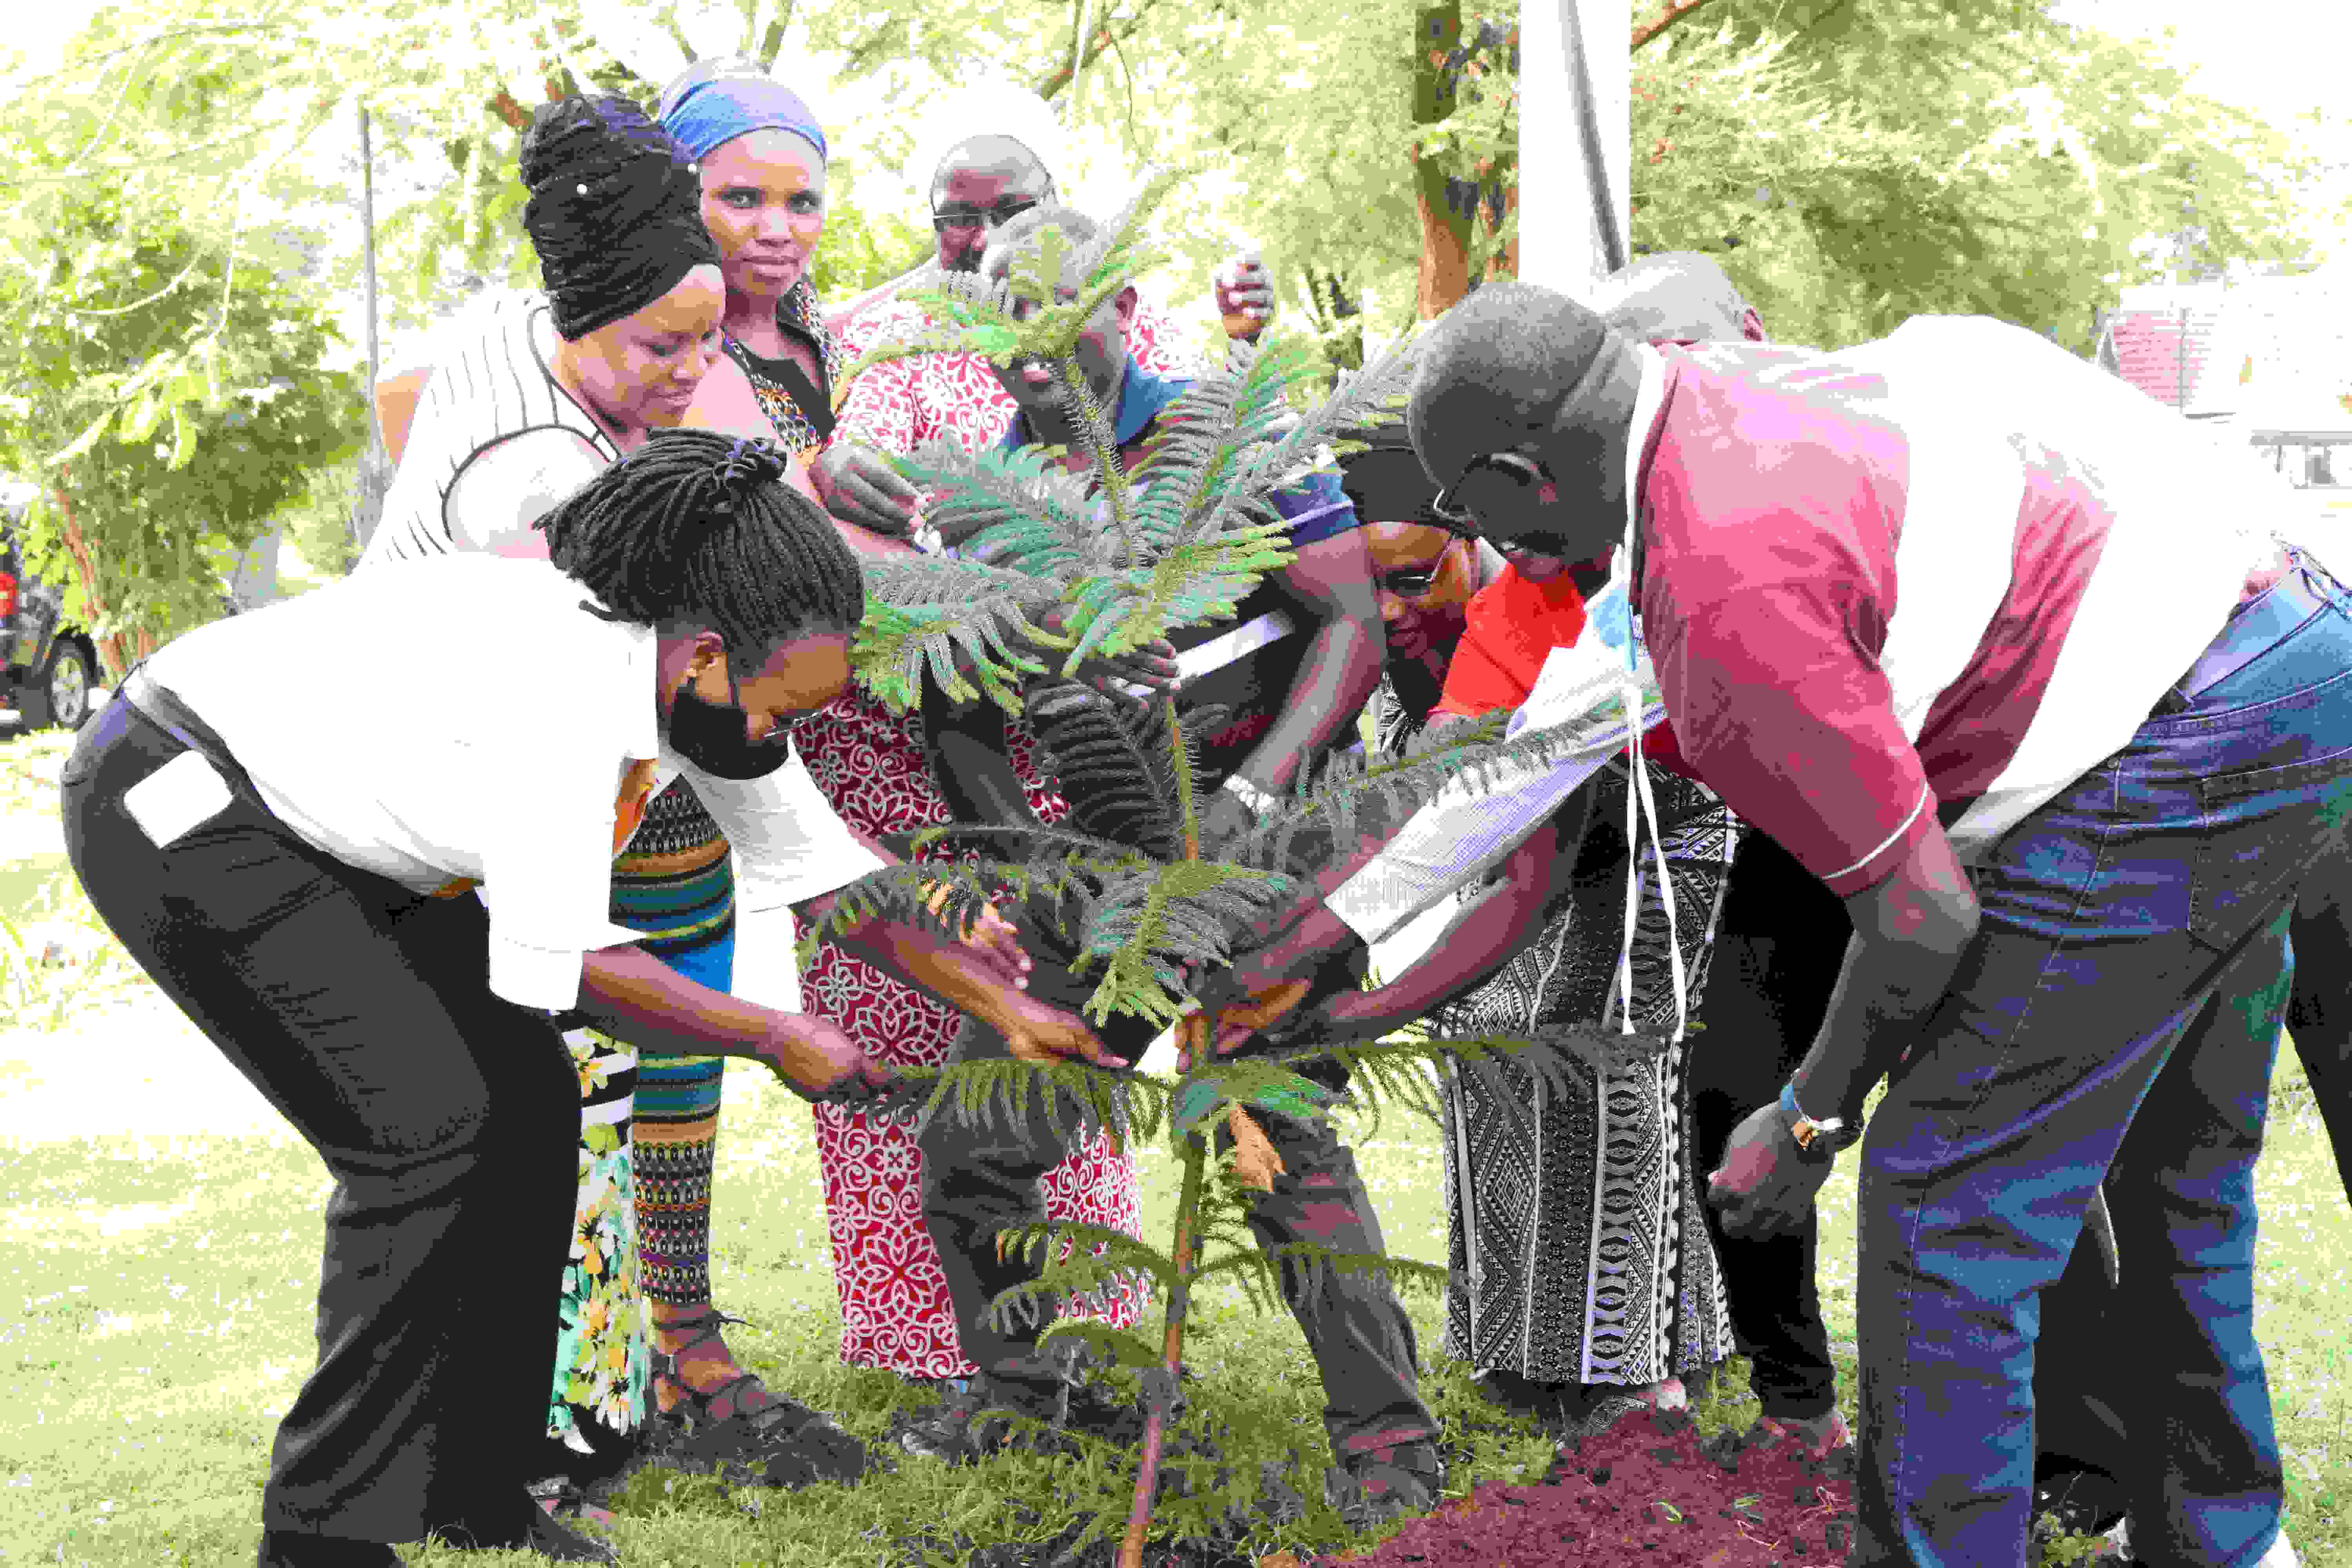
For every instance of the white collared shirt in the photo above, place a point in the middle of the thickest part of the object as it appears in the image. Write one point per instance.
(467, 717)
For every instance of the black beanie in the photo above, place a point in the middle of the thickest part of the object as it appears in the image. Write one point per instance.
(615, 211)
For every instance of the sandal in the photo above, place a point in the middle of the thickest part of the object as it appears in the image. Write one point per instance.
(782, 1443)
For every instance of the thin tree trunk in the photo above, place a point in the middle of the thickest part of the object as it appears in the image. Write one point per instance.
(1180, 1295)
(1444, 234)
(109, 647)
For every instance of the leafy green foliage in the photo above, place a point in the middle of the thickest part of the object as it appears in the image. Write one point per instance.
(1857, 164)
(168, 453)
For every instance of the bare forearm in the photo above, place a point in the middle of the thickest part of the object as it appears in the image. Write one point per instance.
(1483, 935)
(865, 542)
(644, 1001)
(1909, 933)
(1884, 987)
(1341, 668)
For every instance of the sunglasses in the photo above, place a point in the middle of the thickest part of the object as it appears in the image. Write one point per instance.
(1529, 473)
(965, 220)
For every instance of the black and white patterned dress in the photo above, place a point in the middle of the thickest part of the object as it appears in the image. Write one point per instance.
(1579, 1251)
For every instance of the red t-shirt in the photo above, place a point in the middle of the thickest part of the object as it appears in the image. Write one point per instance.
(1512, 626)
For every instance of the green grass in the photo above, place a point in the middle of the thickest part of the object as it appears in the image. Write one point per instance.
(166, 1288)
(165, 1291)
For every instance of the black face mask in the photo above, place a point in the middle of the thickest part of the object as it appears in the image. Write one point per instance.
(713, 737)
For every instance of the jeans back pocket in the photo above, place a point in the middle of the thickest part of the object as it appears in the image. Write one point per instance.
(2258, 833)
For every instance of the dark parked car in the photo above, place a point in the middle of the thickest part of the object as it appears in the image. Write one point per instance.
(51, 665)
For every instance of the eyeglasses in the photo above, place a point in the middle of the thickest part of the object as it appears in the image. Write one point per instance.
(1447, 507)
(964, 220)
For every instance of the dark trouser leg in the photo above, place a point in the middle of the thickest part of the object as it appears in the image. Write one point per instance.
(981, 1178)
(448, 1116)
(1355, 1326)
(2203, 1472)
(978, 1179)
(2320, 1013)
(1777, 954)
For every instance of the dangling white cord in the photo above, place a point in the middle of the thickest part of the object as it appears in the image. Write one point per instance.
(1638, 800)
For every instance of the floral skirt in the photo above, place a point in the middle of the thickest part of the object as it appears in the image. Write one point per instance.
(603, 1356)
(896, 1313)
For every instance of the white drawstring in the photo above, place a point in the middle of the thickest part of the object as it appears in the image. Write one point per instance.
(1638, 801)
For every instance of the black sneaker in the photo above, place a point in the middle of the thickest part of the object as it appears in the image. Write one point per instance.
(981, 1419)
(292, 1549)
(1373, 1487)
(992, 1416)
(545, 1536)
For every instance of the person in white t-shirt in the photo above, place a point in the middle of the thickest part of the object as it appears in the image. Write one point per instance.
(379, 913)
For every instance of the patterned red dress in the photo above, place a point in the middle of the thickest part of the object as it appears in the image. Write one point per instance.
(895, 1310)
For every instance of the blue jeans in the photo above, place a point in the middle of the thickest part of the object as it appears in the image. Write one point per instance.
(2109, 1014)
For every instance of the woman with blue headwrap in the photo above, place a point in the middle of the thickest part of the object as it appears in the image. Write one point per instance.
(762, 156)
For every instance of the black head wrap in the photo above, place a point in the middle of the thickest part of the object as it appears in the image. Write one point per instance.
(615, 211)
(1386, 481)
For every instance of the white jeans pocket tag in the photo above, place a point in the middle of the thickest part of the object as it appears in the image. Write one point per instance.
(170, 802)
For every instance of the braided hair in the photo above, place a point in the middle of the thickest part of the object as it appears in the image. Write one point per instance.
(696, 528)
(615, 211)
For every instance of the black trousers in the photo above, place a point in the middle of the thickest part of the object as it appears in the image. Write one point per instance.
(448, 1116)
(978, 1179)
(1778, 949)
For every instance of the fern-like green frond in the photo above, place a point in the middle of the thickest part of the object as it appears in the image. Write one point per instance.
(1112, 761)
(1040, 1246)
(906, 892)
(1078, 1101)
(1148, 927)
(1353, 797)
(1118, 1346)
(1018, 510)
(1269, 465)
(920, 611)
(1299, 1269)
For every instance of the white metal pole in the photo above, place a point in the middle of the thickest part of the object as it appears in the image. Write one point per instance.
(1575, 142)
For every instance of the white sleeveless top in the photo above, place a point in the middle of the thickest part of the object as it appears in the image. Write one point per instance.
(496, 442)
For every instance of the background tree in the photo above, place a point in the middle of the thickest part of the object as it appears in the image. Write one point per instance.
(165, 378)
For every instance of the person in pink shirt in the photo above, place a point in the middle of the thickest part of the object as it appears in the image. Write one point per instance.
(2025, 679)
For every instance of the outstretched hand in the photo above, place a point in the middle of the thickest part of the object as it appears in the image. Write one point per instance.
(1244, 291)
(858, 485)
(994, 940)
(1766, 1184)
(1040, 1032)
(817, 1060)
(1238, 1024)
